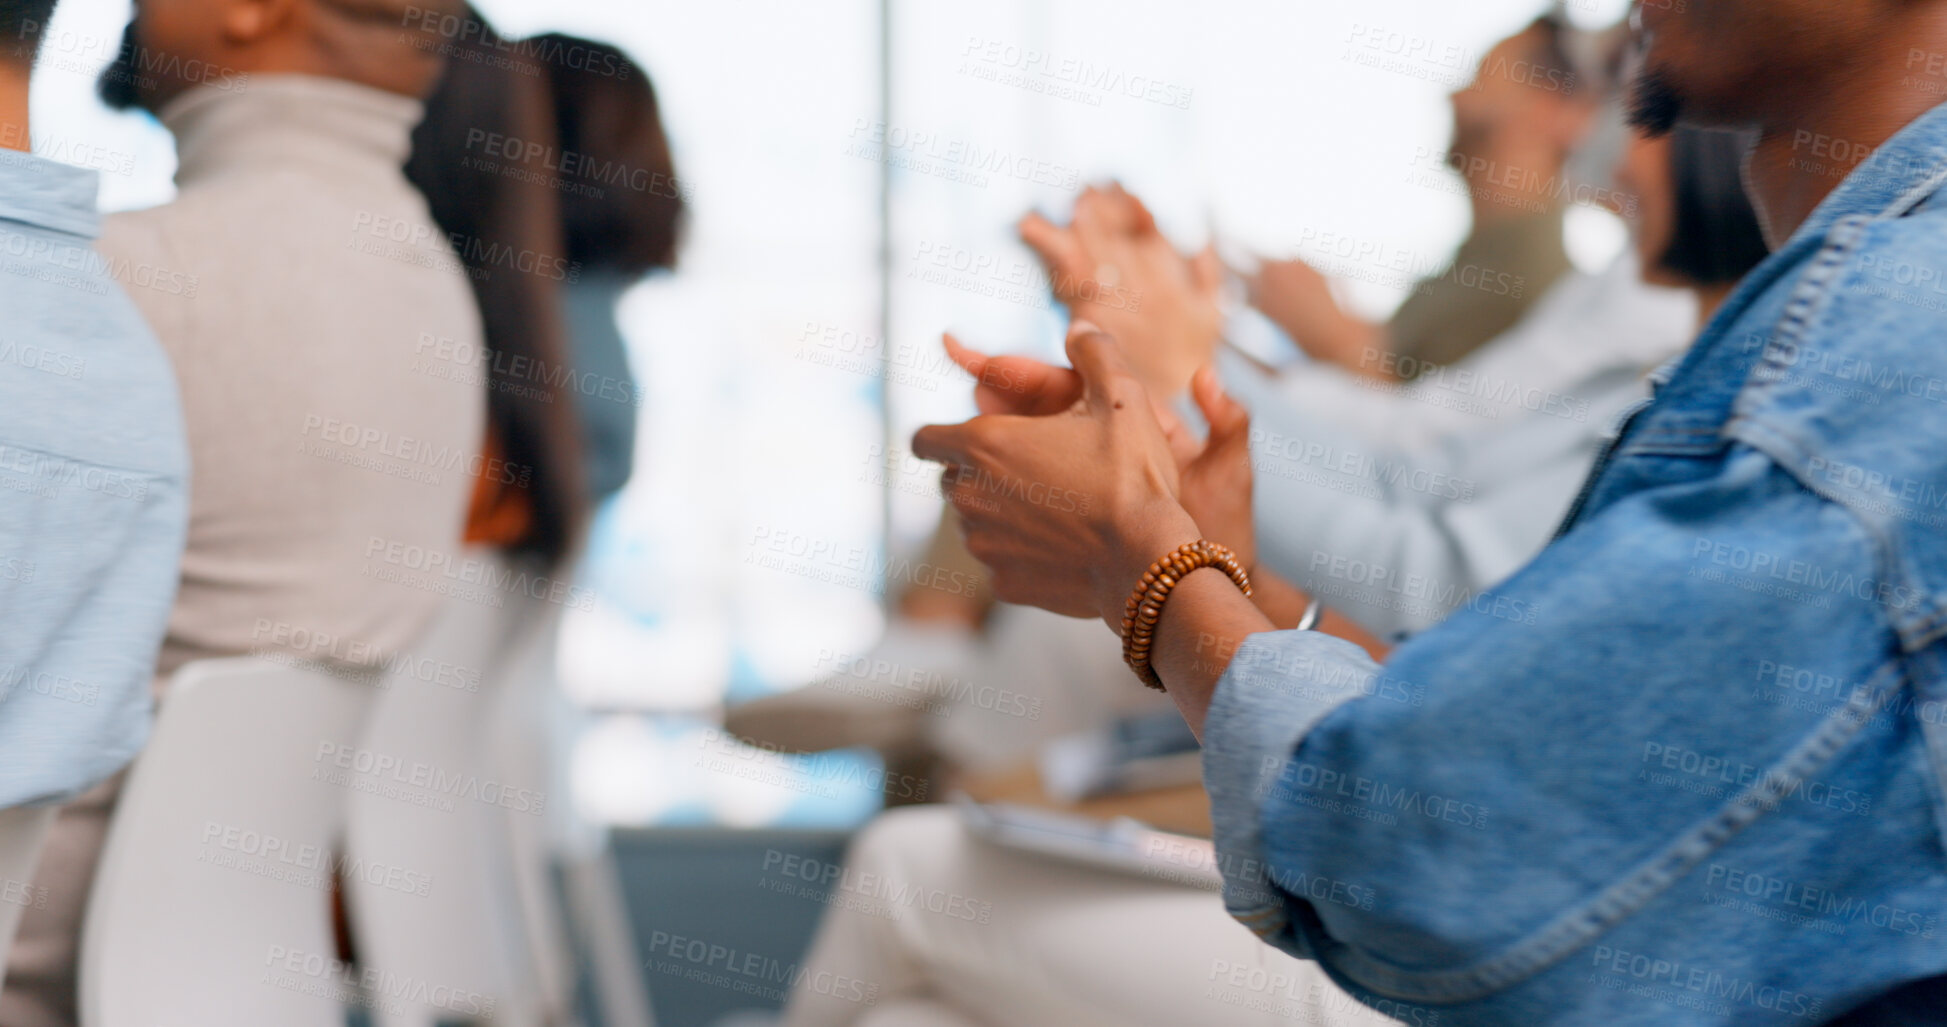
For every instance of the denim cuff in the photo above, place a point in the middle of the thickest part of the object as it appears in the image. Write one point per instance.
(1276, 689)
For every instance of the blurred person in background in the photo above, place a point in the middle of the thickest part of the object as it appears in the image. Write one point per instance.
(622, 219)
(301, 289)
(1052, 943)
(93, 481)
(491, 103)
(1529, 107)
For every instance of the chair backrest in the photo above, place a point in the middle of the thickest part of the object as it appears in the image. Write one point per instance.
(442, 923)
(22, 830)
(211, 903)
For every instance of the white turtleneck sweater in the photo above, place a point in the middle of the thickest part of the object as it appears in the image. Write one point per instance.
(311, 309)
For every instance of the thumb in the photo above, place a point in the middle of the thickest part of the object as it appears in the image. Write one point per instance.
(1229, 422)
(1106, 376)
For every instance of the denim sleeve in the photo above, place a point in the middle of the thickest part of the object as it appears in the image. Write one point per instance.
(1540, 767)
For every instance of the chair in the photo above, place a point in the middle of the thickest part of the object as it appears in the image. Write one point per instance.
(22, 830)
(520, 746)
(210, 906)
(455, 948)
(595, 922)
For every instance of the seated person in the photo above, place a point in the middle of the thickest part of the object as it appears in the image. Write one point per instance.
(494, 205)
(1535, 842)
(617, 230)
(305, 297)
(1696, 231)
(1514, 127)
(93, 476)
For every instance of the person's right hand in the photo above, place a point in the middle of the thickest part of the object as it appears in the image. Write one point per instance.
(1112, 266)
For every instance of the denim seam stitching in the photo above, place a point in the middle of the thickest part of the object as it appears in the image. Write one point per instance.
(1649, 879)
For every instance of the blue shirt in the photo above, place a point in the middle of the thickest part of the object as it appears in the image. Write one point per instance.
(93, 506)
(1689, 765)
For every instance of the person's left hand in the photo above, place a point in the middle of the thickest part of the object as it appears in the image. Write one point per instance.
(1067, 510)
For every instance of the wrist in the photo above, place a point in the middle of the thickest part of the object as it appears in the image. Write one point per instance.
(1152, 537)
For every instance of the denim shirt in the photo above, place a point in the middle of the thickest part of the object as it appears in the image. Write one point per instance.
(1687, 766)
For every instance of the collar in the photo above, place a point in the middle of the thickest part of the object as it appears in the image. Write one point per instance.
(48, 194)
(282, 118)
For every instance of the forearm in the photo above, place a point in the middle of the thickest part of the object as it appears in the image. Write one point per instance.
(1284, 604)
(1354, 344)
(1204, 621)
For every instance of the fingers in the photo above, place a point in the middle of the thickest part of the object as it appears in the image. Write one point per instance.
(1059, 248)
(1184, 446)
(1226, 416)
(1010, 384)
(1207, 271)
(1108, 381)
(1139, 219)
(949, 444)
(970, 360)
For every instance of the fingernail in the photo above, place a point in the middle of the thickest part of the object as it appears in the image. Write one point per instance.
(1085, 326)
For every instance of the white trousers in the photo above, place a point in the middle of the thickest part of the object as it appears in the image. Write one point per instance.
(933, 926)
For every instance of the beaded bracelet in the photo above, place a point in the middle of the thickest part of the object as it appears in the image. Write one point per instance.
(1145, 606)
